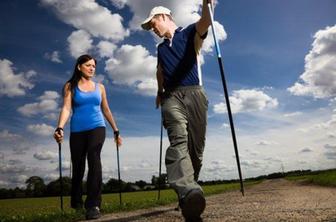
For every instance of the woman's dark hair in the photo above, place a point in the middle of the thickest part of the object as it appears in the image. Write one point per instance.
(77, 74)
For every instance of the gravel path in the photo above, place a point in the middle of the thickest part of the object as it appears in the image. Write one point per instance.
(272, 200)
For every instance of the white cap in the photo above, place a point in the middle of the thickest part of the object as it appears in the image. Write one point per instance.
(155, 11)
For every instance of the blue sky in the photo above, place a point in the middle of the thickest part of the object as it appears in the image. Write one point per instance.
(279, 59)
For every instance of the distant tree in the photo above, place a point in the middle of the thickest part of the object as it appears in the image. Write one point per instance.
(163, 180)
(18, 193)
(141, 183)
(4, 193)
(54, 187)
(130, 187)
(112, 186)
(35, 186)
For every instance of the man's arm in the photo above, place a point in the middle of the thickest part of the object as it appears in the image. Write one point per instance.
(205, 21)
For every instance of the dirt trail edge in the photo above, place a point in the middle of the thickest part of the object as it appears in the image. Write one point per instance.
(271, 200)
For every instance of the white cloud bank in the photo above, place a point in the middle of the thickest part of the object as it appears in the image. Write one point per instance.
(89, 16)
(46, 105)
(247, 101)
(41, 129)
(133, 66)
(53, 56)
(319, 77)
(12, 84)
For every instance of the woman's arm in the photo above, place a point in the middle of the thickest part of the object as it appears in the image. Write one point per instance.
(107, 112)
(64, 114)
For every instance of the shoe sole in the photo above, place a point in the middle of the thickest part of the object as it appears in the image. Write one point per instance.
(194, 205)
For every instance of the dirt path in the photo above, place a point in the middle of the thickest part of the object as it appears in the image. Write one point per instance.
(272, 200)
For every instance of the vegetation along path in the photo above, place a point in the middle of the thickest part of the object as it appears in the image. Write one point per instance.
(271, 200)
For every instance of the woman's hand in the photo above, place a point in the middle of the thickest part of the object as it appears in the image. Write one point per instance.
(117, 138)
(59, 135)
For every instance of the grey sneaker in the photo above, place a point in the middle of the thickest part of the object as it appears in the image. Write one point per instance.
(193, 205)
(92, 213)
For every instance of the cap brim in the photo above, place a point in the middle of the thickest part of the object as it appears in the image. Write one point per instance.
(146, 24)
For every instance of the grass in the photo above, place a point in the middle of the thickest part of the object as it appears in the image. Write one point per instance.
(47, 209)
(325, 178)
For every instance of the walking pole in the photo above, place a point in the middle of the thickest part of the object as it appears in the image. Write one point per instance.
(226, 97)
(160, 160)
(116, 140)
(60, 172)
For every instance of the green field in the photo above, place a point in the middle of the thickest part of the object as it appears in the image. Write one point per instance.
(324, 178)
(47, 209)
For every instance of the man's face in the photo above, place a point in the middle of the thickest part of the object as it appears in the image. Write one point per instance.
(157, 24)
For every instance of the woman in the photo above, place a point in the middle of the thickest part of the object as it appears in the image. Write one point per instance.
(88, 103)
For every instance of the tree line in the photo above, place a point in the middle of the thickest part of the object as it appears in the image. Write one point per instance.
(36, 187)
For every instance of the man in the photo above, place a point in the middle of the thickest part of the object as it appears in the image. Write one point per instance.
(183, 103)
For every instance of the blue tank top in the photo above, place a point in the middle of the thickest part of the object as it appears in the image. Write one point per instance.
(86, 110)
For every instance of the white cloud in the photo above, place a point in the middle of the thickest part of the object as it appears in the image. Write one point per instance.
(225, 126)
(247, 101)
(3, 183)
(106, 49)
(41, 129)
(89, 16)
(9, 168)
(65, 165)
(80, 43)
(319, 77)
(49, 95)
(133, 66)
(45, 155)
(18, 179)
(209, 41)
(294, 114)
(330, 152)
(148, 87)
(54, 56)
(50, 177)
(265, 143)
(6, 135)
(12, 84)
(47, 105)
(119, 3)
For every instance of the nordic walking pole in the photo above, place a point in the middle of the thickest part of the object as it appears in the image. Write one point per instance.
(160, 160)
(226, 96)
(116, 135)
(60, 171)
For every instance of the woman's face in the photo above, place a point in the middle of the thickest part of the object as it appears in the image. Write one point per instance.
(88, 68)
